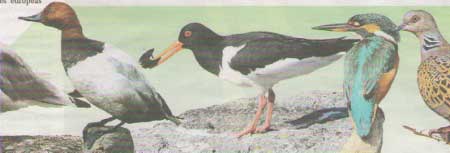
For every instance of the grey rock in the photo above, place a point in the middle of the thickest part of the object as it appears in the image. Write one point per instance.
(40, 144)
(97, 139)
(311, 122)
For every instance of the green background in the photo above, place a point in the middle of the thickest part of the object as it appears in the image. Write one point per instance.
(185, 85)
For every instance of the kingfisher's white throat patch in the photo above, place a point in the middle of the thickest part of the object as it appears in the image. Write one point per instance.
(385, 36)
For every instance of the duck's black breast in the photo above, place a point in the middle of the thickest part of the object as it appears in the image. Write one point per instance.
(76, 50)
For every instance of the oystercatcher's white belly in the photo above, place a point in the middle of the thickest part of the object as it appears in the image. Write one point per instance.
(228, 74)
(289, 68)
(273, 73)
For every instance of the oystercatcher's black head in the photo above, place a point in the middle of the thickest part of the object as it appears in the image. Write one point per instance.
(195, 35)
(192, 36)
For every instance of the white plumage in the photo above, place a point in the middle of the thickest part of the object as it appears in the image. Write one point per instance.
(265, 78)
(111, 81)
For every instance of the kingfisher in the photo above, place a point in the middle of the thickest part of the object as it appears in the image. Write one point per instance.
(370, 66)
(434, 70)
(254, 59)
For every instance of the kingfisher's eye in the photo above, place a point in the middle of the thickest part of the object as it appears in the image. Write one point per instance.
(354, 23)
(187, 33)
(414, 19)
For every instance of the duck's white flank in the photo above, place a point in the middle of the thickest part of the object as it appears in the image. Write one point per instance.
(110, 81)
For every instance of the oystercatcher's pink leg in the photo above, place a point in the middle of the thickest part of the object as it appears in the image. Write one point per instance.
(251, 128)
(266, 126)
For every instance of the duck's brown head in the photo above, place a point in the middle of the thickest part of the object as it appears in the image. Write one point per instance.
(56, 14)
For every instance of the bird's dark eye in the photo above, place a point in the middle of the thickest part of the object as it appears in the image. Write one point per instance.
(187, 33)
(415, 18)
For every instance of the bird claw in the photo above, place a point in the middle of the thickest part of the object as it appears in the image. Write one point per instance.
(147, 61)
(432, 132)
(442, 130)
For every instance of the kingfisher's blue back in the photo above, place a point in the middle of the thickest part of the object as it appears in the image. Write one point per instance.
(365, 66)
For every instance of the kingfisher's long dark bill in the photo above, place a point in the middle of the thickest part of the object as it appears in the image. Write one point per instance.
(340, 27)
(33, 18)
(148, 61)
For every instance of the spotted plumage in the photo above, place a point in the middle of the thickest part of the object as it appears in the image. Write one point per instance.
(434, 84)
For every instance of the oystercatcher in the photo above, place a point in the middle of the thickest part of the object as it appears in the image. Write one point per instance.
(254, 59)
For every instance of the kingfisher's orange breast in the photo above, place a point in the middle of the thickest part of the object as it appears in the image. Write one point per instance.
(385, 81)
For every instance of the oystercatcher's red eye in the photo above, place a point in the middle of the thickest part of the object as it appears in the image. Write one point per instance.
(187, 33)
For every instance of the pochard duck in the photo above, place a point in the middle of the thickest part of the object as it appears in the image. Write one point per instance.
(103, 74)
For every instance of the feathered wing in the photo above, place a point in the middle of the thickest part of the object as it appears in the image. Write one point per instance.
(272, 49)
(19, 82)
(365, 67)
